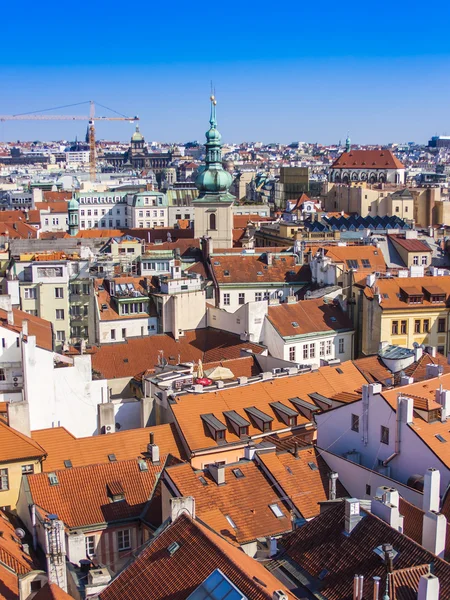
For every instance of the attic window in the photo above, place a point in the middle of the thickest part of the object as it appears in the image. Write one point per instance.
(115, 491)
(439, 437)
(125, 360)
(276, 510)
(238, 473)
(216, 263)
(226, 273)
(53, 479)
(172, 548)
(68, 464)
(365, 263)
(230, 521)
(289, 470)
(313, 466)
(386, 296)
(294, 324)
(340, 371)
(259, 273)
(143, 466)
(202, 480)
(112, 458)
(352, 264)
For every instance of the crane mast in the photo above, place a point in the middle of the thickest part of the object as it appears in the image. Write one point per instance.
(91, 127)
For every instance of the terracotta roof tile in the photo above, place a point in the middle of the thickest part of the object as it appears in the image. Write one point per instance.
(15, 446)
(244, 499)
(78, 504)
(413, 245)
(404, 583)
(390, 289)
(367, 159)
(141, 354)
(60, 445)
(51, 591)
(308, 316)
(38, 327)
(150, 576)
(253, 268)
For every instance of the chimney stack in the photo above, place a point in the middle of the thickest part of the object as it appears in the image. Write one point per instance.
(25, 328)
(442, 397)
(433, 370)
(269, 257)
(352, 514)
(153, 450)
(431, 487)
(217, 472)
(10, 317)
(376, 587)
(332, 480)
(405, 380)
(434, 532)
(428, 587)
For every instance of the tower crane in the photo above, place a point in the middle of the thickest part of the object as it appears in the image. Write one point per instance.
(91, 118)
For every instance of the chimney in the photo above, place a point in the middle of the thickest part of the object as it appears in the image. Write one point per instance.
(352, 514)
(433, 371)
(376, 587)
(442, 397)
(405, 380)
(388, 557)
(332, 480)
(242, 380)
(185, 504)
(431, 487)
(269, 258)
(405, 407)
(418, 352)
(25, 328)
(434, 532)
(153, 450)
(428, 587)
(370, 280)
(358, 587)
(217, 472)
(10, 317)
(386, 508)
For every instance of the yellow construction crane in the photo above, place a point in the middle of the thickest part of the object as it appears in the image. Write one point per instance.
(91, 127)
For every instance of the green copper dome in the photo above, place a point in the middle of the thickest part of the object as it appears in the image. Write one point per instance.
(73, 204)
(212, 181)
(137, 135)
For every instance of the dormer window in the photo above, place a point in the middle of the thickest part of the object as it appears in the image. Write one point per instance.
(243, 431)
(261, 420)
(115, 491)
(216, 428)
(238, 424)
(287, 414)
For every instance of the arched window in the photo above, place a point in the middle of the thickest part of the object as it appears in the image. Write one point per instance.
(212, 221)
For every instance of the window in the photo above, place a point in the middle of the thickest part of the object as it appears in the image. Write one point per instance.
(368, 490)
(59, 314)
(441, 325)
(241, 298)
(426, 325)
(60, 336)
(276, 510)
(230, 521)
(124, 333)
(397, 209)
(365, 263)
(3, 343)
(417, 326)
(258, 296)
(415, 260)
(27, 469)
(90, 545)
(226, 299)
(312, 351)
(123, 540)
(59, 292)
(292, 353)
(384, 435)
(403, 327)
(424, 260)
(113, 334)
(394, 327)
(212, 221)
(30, 293)
(322, 349)
(4, 480)
(2, 375)
(329, 347)
(352, 264)
(305, 351)
(220, 435)
(341, 346)
(355, 422)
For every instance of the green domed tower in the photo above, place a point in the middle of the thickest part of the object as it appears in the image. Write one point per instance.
(213, 206)
(72, 212)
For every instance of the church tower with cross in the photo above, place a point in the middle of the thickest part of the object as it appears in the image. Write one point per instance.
(213, 215)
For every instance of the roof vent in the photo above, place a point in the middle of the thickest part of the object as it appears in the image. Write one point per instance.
(143, 466)
(172, 548)
(53, 479)
(68, 464)
(295, 324)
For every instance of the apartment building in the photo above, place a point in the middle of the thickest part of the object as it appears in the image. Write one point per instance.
(147, 210)
(102, 210)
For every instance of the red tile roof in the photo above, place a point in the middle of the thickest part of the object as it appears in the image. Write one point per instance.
(200, 552)
(244, 499)
(81, 496)
(15, 446)
(57, 196)
(60, 445)
(253, 268)
(141, 354)
(51, 591)
(38, 327)
(367, 159)
(411, 245)
(308, 316)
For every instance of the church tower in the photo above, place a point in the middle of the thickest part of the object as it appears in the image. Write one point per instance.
(348, 143)
(72, 212)
(213, 215)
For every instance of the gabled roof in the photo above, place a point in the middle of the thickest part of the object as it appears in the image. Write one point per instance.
(413, 245)
(245, 499)
(308, 317)
(200, 552)
(253, 268)
(391, 288)
(80, 498)
(367, 159)
(60, 445)
(38, 327)
(320, 546)
(15, 446)
(51, 591)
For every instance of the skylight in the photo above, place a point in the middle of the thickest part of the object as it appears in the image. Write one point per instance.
(238, 473)
(68, 464)
(313, 466)
(143, 466)
(53, 479)
(276, 510)
(230, 521)
(439, 437)
(294, 324)
(112, 458)
(202, 480)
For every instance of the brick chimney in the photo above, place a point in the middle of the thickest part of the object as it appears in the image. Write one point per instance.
(217, 472)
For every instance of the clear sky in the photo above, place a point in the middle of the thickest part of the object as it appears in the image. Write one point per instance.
(283, 71)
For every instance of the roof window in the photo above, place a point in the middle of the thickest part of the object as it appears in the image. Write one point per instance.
(259, 273)
(53, 479)
(68, 464)
(172, 548)
(230, 521)
(352, 264)
(439, 437)
(143, 466)
(202, 480)
(294, 324)
(238, 473)
(226, 273)
(112, 458)
(313, 466)
(276, 510)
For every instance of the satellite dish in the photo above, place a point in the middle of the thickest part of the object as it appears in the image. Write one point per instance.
(280, 294)
(19, 532)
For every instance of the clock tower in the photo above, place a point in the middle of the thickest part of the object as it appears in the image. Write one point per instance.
(213, 216)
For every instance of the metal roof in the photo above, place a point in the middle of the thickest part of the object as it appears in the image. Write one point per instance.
(258, 414)
(290, 412)
(236, 418)
(213, 422)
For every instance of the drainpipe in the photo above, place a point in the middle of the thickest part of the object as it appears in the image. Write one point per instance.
(33, 522)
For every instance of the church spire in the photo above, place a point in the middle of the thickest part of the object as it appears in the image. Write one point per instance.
(348, 143)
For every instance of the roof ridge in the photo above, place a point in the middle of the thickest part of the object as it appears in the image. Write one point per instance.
(23, 437)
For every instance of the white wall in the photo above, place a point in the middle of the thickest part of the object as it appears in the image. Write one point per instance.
(247, 318)
(250, 291)
(140, 327)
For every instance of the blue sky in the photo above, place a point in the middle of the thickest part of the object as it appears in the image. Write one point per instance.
(283, 71)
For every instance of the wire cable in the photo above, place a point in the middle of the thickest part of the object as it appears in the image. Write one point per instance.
(48, 109)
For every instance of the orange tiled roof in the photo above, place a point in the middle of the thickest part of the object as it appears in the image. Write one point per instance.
(244, 499)
(367, 159)
(17, 230)
(341, 254)
(253, 268)
(60, 445)
(390, 290)
(141, 354)
(53, 207)
(78, 504)
(241, 221)
(51, 591)
(308, 316)
(38, 327)
(150, 576)
(326, 381)
(15, 446)
(110, 313)
(304, 486)
(57, 196)
(244, 366)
